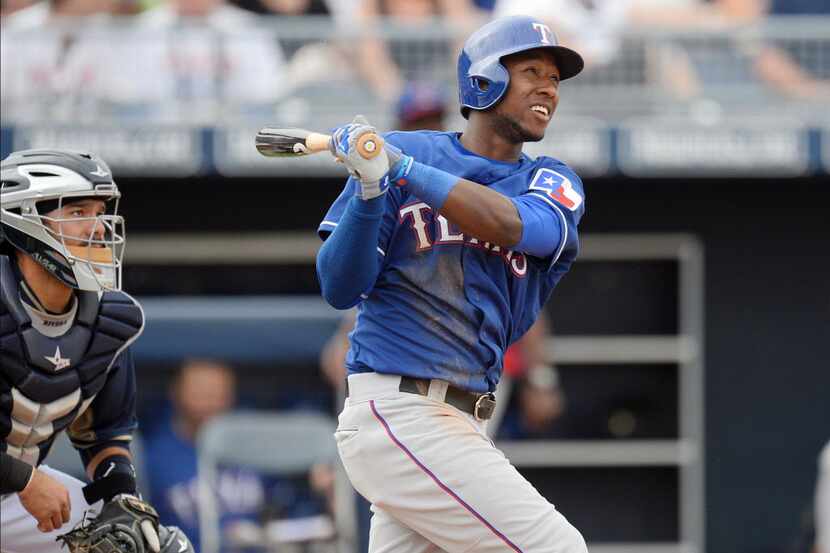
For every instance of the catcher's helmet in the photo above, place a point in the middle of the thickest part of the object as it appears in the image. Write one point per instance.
(480, 59)
(36, 182)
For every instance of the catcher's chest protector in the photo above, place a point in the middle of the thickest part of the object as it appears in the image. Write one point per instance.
(45, 383)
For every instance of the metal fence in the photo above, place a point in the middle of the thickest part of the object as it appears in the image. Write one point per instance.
(311, 72)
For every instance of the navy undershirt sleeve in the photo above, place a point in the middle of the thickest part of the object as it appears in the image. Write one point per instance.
(347, 263)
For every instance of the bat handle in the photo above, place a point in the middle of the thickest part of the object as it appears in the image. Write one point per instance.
(316, 142)
(368, 146)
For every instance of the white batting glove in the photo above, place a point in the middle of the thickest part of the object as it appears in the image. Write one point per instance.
(372, 173)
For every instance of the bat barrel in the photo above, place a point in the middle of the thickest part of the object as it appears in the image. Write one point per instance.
(276, 142)
(289, 142)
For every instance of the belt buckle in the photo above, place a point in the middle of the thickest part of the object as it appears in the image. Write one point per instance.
(484, 406)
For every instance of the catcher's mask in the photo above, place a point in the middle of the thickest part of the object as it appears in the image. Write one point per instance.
(61, 208)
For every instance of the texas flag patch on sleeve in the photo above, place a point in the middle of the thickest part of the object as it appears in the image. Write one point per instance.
(557, 187)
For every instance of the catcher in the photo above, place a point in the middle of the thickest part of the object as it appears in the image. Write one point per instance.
(65, 362)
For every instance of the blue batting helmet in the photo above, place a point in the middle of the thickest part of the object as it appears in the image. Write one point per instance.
(480, 59)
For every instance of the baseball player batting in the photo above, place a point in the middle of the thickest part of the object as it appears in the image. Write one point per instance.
(450, 244)
(65, 365)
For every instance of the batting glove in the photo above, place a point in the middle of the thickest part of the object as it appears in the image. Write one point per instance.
(371, 173)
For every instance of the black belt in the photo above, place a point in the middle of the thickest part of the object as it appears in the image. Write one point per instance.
(481, 406)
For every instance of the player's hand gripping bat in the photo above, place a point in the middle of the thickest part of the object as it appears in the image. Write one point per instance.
(275, 142)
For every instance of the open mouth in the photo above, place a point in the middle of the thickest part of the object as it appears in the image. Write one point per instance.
(541, 111)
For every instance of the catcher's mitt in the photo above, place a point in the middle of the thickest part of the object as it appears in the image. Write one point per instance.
(126, 525)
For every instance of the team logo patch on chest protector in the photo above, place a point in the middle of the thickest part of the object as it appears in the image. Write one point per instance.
(57, 360)
(45, 382)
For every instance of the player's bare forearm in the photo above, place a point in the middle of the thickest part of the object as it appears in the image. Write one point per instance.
(104, 454)
(483, 213)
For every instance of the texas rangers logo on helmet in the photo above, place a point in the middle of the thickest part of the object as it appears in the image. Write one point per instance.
(543, 30)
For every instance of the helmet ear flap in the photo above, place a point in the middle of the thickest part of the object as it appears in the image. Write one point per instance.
(480, 84)
(489, 83)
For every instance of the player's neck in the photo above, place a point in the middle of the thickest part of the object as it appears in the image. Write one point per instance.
(481, 138)
(53, 294)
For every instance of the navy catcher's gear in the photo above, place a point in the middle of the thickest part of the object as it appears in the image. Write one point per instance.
(47, 383)
(483, 80)
(35, 182)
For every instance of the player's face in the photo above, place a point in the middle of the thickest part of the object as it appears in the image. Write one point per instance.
(78, 223)
(527, 107)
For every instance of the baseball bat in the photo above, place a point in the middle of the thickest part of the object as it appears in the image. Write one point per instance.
(290, 142)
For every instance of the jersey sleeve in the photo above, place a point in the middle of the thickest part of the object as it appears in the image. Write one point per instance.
(111, 415)
(556, 192)
(336, 210)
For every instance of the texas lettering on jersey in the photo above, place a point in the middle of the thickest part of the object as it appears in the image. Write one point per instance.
(418, 215)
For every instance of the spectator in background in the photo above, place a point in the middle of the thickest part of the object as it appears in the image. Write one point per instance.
(787, 66)
(537, 400)
(284, 7)
(26, 14)
(8, 7)
(202, 390)
(50, 64)
(421, 106)
(385, 67)
(208, 60)
(373, 61)
(296, 7)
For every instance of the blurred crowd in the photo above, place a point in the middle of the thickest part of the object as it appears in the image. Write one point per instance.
(219, 60)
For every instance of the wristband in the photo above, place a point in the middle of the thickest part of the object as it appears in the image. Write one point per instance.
(113, 476)
(427, 183)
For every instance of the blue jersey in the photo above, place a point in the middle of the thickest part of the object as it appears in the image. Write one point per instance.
(446, 305)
